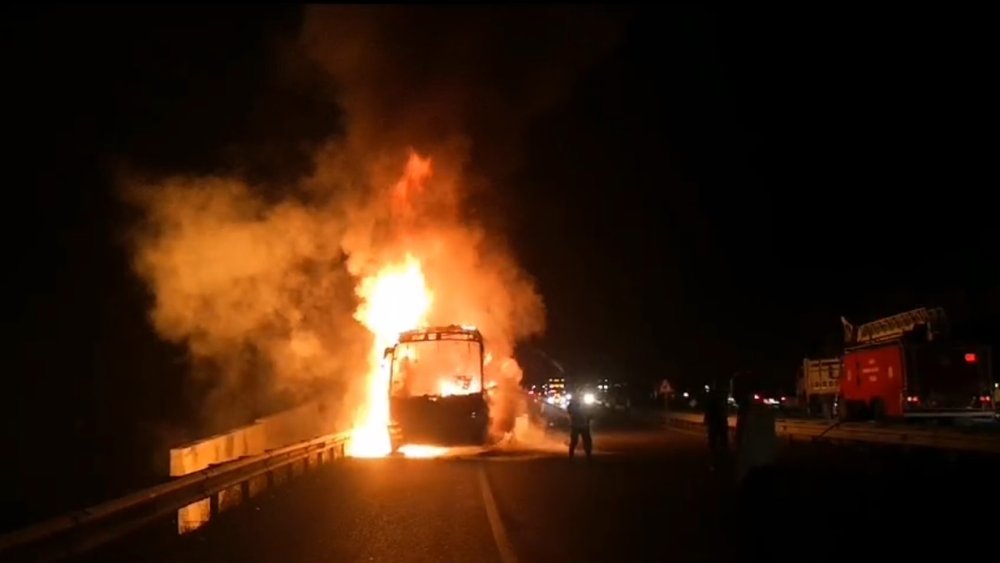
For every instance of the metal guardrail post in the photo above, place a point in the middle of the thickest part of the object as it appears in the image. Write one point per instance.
(86, 529)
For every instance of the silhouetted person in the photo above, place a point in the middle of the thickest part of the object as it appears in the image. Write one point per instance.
(579, 427)
(717, 424)
(743, 390)
(758, 444)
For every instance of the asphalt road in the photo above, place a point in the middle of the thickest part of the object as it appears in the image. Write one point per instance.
(648, 495)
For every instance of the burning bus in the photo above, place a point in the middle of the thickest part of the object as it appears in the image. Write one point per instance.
(437, 393)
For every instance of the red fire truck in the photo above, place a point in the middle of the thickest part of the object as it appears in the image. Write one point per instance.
(906, 366)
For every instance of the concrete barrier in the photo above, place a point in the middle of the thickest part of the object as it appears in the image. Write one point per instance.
(195, 456)
(862, 432)
(275, 431)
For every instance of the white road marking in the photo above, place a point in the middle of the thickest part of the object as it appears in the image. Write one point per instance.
(496, 525)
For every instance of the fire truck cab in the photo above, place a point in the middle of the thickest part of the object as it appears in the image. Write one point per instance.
(907, 366)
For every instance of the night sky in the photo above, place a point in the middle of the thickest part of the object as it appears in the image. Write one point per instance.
(711, 194)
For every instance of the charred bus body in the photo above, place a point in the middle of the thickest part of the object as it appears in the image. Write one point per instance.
(437, 393)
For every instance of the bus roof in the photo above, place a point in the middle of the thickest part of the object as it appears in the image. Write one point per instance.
(450, 332)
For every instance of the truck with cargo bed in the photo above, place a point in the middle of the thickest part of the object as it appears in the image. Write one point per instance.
(819, 385)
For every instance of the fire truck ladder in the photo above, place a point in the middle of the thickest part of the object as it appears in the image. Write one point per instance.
(895, 326)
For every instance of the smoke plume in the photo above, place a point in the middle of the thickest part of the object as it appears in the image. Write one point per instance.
(260, 289)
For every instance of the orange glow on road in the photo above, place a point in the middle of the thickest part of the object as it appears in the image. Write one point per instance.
(422, 451)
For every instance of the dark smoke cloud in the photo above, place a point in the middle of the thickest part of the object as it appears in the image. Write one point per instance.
(421, 77)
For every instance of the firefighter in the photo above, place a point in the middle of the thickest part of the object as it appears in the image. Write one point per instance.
(579, 426)
(756, 442)
(758, 447)
(743, 395)
(717, 422)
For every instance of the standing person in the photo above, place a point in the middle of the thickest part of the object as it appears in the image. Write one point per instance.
(743, 395)
(717, 423)
(579, 426)
(665, 391)
(758, 444)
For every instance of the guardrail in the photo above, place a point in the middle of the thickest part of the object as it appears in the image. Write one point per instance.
(872, 433)
(220, 487)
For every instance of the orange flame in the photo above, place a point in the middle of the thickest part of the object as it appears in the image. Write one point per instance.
(439, 256)
(393, 300)
(417, 172)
